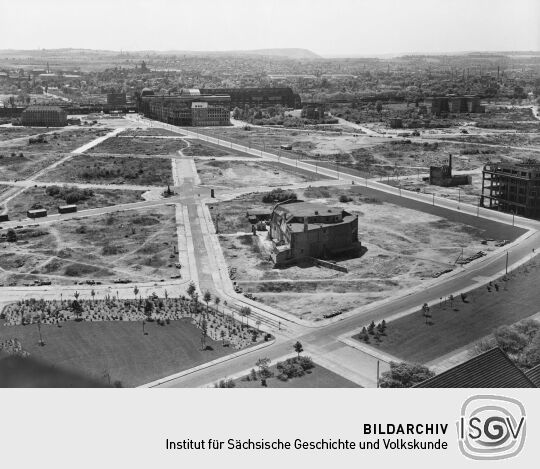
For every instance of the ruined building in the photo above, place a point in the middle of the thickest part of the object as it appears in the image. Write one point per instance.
(453, 104)
(302, 229)
(442, 176)
(512, 188)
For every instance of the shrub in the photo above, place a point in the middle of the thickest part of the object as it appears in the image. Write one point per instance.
(345, 198)
(278, 195)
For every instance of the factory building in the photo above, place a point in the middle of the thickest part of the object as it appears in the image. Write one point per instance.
(453, 104)
(512, 188)
(44, 116)
(301, 229)
(260, 97)
(442, 176)
(189, 108)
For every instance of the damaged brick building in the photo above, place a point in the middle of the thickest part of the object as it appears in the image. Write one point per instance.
(302, 229)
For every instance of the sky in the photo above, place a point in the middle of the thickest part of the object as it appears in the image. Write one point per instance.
(329, 27)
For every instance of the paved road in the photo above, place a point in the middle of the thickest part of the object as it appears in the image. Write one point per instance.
(325, 341)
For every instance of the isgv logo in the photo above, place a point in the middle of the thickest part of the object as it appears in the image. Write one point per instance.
(491, 427)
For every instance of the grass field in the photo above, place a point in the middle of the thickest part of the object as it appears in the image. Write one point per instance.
(138, 245)
(200, 148)
(140, 146)
(21, 167)
(9, 133)
(410, 339)
(112, 170)
(61, 141)
(150, 132)
(319, 377)
(33, 196)
(117, 351)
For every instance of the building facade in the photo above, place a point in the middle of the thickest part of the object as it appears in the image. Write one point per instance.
(301, 229)
(189, 108)
(512, 188)
(452, 104)
(44, 116)
(261, 97)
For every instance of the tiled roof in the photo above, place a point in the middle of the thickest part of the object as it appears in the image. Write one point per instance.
(492, 369)
(534, 375)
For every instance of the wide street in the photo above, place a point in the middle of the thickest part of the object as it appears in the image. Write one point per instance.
(202, 262)
(322, 340)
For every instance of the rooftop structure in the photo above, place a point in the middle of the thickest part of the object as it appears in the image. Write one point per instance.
(303, 229)
(491, 369)
(534, 375)
(512, 188)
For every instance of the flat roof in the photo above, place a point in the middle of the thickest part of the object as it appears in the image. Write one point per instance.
(306, 209)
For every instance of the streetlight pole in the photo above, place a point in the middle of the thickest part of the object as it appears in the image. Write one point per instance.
(41, 343)
(506, 262)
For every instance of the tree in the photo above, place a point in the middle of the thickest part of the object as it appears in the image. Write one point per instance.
(404, 375)
(264, 369)
(207, 297)
(11, 236)
(191, 289)
(217, 301)
(93, 294)
(136, 292)
(77, 308)
(245, 311)
(204, 333)
(148, 307)
(298, 348)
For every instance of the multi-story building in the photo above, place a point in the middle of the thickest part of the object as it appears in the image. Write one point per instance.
(190, 108)
(261, 97)
(512, 188)
(44, 116)
(453, 104)
(302, 229)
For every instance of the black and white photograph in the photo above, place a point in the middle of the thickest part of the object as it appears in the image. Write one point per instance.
(337, 197)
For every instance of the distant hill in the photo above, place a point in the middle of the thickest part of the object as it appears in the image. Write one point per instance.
(291, 53)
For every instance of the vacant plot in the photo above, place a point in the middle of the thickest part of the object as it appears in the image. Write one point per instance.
(112, 170)
(198, 148)
(38, 197)
(150, 132)
(9, 133)
(403, 246)
(236, 174)
(140, 146)
(468, 194)
(65, 140)
(138, 246)
(106, 352)
(457, 324)
(15, 166)
(319, 377)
